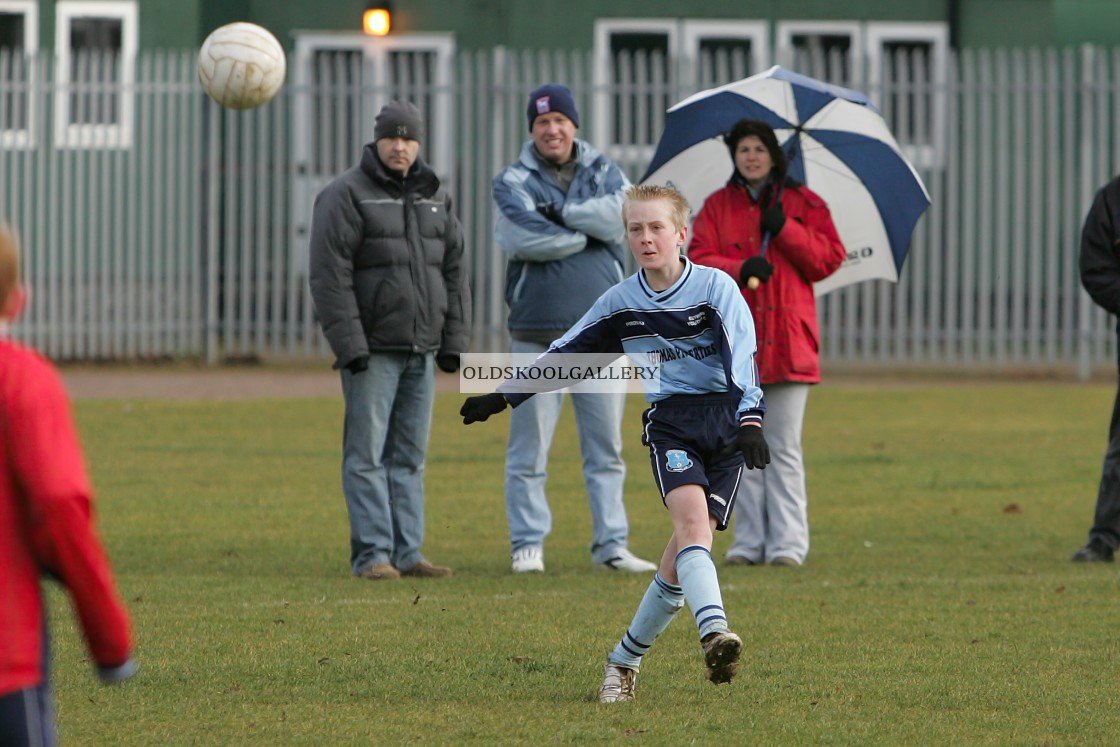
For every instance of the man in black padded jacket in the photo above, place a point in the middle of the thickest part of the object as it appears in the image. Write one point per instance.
(389, 283)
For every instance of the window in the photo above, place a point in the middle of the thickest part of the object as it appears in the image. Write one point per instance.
(341, 82)
(722, 52)
(644, 66)
(906, 75)
(19, 45)
(825, 50)
(96, 44)
(344, 80)
(635, 76)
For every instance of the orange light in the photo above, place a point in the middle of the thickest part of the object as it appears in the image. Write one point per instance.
(376, 22)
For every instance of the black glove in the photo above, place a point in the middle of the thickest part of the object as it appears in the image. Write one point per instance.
(773, 219)
(755, 451)
(755, 267)
(478, 409)
(359, 364)
(550, 212)
(447, 362)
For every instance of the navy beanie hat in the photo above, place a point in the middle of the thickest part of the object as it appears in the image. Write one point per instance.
(399, 119)
(552, 97)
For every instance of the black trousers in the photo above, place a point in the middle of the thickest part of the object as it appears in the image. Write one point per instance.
(1106, 521)
(27, 718)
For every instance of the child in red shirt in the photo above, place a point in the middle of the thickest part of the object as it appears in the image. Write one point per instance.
(46, 529)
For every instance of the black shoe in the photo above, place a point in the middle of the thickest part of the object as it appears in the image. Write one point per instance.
(1094, 552)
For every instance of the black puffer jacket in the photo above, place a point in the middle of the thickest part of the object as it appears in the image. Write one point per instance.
(1100, 248)
(387, 267)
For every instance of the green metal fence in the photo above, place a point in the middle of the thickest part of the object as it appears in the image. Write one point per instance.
(158, 225)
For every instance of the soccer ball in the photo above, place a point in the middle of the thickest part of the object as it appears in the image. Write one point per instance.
(241, 65)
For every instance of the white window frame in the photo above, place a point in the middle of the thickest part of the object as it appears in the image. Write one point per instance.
(376, 50)
(756, 32)
(118, 135)
(603, 82)
(937, 36)
(684, 37)
(440, 129)
(25, 138)
(784, 32)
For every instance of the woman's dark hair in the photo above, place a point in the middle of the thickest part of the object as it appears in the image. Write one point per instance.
(764, 132)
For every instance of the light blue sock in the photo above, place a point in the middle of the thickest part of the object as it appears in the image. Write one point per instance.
(697, 573)
(658, 607)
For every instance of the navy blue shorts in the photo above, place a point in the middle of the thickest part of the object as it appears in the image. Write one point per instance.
(27, 718)
(692, 440)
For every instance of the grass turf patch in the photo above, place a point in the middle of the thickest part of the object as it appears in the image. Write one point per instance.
(938, 604)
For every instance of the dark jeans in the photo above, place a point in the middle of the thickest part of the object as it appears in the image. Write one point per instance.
(1106, 522)
(27, 718)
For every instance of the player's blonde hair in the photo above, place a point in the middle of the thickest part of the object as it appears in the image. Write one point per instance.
(678, 205)
(9, 264)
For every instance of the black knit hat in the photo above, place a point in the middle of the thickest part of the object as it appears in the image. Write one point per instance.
(399, 119)
(552, 97)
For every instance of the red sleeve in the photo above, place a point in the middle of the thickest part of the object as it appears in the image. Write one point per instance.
(706, 246)
(809, 239)
(50, 476)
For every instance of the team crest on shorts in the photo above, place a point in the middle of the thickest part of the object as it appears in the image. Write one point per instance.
(676, 460)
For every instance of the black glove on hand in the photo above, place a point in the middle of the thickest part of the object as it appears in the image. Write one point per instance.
(755, 267)
(478, 409)
(755, 451)
(550, 212)
(359, 364)
(773, 219)
(447, 362)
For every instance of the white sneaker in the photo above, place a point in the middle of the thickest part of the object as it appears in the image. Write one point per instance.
(624, 560)
(618, 684)
(528, 559)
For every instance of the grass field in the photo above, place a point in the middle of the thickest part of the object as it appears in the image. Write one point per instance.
(938, 605)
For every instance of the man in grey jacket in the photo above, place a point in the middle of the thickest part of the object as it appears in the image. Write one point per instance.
(559, 222)
(390, 288)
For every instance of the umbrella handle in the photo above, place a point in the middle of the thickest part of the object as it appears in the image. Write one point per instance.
(753, 282)
(766, 234)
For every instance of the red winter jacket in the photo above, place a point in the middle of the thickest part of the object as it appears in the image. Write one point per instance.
(807, 249)
(46, 525)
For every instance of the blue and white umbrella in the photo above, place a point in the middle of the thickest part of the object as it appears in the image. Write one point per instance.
(837, 144)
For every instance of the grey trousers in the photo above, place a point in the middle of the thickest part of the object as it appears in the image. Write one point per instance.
(771, 506)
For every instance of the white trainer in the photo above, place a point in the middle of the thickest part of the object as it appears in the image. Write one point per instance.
(528, 559)
(618, 684)
(624, 560)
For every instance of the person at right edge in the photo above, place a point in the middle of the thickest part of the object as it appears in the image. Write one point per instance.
(1100, 274)
(776, 238)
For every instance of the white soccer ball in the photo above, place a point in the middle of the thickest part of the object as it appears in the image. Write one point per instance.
(241, 65)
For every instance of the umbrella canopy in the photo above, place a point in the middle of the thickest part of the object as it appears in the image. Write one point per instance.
(837, 144)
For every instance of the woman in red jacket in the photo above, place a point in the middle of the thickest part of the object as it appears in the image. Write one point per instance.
(776, 238)
(46, 529)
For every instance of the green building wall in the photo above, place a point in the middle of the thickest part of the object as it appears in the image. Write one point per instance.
(530, 24)
(1088, 21)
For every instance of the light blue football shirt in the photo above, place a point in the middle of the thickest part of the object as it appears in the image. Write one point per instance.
(700, 331)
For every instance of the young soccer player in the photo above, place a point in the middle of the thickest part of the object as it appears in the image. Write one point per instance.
(703, 423)
(46, 529)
